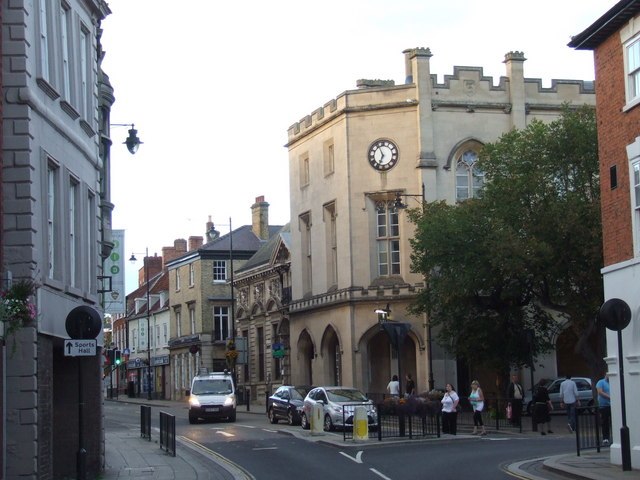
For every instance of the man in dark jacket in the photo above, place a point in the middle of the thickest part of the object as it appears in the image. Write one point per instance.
(515, 395)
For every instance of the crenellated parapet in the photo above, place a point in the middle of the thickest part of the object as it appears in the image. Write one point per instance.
(468, 89)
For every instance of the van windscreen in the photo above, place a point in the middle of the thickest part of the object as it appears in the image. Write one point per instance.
(211, 387)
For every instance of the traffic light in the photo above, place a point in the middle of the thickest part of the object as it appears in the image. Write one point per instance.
(117, 357)
(111, 356)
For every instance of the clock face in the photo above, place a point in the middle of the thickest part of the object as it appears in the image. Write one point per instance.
(383, 154)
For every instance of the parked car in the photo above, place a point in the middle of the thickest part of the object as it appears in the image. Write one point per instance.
(585, 394)
(286, 404)
(338, 404)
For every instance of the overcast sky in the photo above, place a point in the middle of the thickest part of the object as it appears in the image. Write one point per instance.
(212, 87)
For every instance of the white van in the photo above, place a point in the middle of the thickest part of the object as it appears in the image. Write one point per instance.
(212, 395)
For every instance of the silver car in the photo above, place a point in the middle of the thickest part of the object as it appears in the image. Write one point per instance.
(339, 404)
(585, 394)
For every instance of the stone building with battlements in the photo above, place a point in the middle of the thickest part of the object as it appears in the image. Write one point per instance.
(352, 162)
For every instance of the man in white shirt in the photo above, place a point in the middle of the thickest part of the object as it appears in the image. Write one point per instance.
(569, 400)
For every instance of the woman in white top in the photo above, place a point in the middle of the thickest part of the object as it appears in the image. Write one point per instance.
(394, 386)
(477, 402)
(449, 410)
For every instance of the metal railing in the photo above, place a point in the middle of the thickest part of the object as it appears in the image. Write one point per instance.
(587, 429)
(145, 422)
(168, 433)
(494, 414)
(412, 420)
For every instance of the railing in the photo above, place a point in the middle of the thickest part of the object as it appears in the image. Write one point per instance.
(168, 433)
(494, 414)
(587, 429)
(145, 422)
(411, 420)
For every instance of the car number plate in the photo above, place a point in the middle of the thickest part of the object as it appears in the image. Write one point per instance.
(212, 409)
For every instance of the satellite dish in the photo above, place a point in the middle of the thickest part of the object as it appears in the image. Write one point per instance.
(615, 314)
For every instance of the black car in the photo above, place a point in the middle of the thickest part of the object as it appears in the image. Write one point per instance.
(286, 404)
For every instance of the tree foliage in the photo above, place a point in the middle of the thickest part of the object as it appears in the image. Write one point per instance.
(506, 269)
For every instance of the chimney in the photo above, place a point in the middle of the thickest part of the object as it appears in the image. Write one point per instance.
(179, 248)
(154, 264)
(260, 218)
(195, 243)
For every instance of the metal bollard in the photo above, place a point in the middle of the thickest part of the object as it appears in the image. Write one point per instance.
(317, 419)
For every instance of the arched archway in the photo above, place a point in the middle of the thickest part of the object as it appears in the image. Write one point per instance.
(306, 354)
(331, 357)
(383, 362)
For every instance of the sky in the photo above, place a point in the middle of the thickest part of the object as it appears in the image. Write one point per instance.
(213, 86)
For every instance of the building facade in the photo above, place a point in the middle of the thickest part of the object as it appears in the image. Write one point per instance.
(55, 109)
(201, 298)
(263, 291)
(615, 41)
(352, 162)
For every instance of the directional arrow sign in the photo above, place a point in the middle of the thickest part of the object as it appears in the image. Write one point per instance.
(79, 348)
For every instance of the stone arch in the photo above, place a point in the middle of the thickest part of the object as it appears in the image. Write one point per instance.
(380, 362)
(467, 143)
(272, 306)
(331, 355)
(306, 354)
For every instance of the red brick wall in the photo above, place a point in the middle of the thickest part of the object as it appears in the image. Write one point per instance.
(616, 130)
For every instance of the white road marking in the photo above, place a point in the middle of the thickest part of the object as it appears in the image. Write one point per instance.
(226, 434)
(265, 448)
(247, 426)
(379, 474)
(357, 459)
(270, 431)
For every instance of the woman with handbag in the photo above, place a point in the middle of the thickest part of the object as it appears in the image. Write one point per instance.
(450, 402)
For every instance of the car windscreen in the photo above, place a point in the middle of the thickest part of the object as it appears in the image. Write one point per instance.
(346, 396)
(211, 387)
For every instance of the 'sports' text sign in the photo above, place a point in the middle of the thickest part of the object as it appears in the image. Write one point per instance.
(79, 348)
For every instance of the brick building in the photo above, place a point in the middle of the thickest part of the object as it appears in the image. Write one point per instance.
(615, 41)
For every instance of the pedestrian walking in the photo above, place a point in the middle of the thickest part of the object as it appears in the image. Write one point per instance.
(604, 407)
(515, 394)
(542, 407)
(411, 386)
(450, 402)
(394, 386)
(477, 402)
(569, 400)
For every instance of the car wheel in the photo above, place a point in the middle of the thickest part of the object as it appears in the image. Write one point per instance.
(304, 422)
(192, 419)
(328, 424)
(272, 416)
(291, 419)
(232, 417)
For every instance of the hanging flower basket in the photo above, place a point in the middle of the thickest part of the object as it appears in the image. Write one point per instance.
(231, 355)
(16, 309)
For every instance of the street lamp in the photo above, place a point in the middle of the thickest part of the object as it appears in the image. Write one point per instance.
(400, 205)
(132, 142)
(145, 262)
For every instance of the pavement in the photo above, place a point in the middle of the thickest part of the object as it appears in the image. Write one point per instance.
(130, 456)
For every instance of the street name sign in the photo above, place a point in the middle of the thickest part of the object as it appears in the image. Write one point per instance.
(80, 348)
